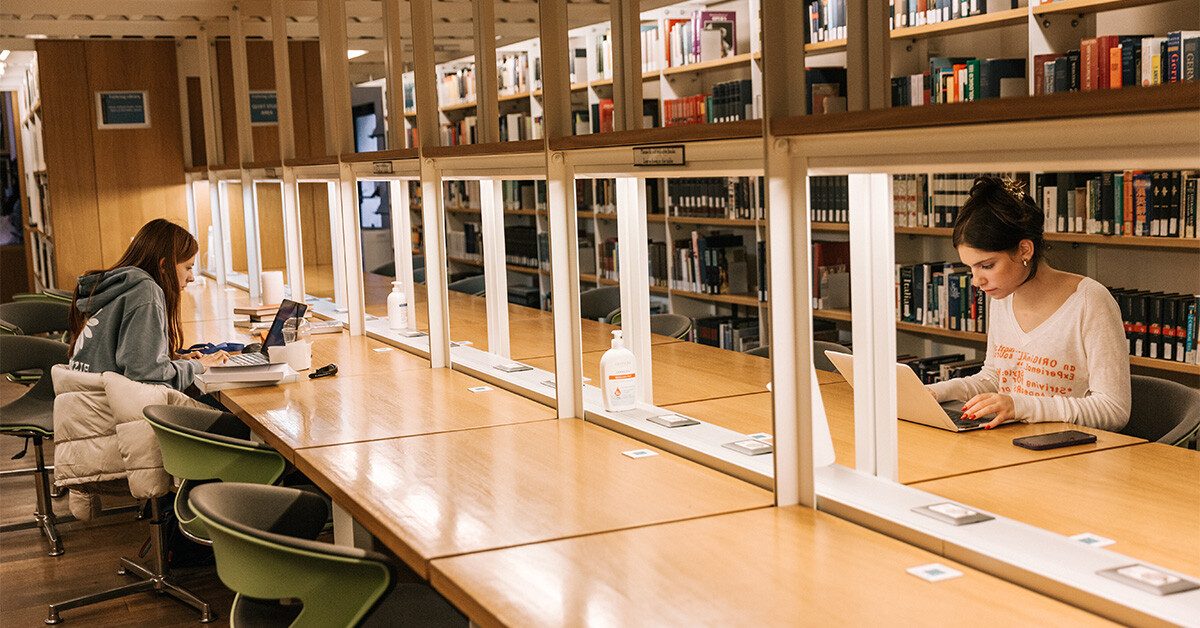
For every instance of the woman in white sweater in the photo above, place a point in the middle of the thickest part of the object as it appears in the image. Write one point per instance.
(1056, 347)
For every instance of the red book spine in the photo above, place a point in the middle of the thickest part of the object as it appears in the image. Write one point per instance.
(1089, 64)
(1114, 67)
(1103, 46)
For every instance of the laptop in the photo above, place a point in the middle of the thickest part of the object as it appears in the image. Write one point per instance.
(913, 401)
(287, 309)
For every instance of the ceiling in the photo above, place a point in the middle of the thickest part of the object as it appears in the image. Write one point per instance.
(23, 21)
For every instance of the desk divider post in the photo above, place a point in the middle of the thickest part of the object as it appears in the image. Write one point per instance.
(402, 242)
(495, 269)
(434, 216)
(634, 281)
(564, 279)
(351, 249)
(293, 243)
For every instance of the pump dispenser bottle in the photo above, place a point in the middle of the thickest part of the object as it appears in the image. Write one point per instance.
(618, 376)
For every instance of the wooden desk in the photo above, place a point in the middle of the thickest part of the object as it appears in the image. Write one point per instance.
(925, 452)
(687, 371)
(767, 567)
(445, 494)
(348, 409)
(1145, 497)
(209, 301)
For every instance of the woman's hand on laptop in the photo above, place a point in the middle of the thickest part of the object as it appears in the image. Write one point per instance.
(214, 359)
(933, 394)
(988, 403)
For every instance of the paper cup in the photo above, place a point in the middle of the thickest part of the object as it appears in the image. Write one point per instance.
(272, 287)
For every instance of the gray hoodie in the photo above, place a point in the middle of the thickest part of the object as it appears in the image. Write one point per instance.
(126, 330)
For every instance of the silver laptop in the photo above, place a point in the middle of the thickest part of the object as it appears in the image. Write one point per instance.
(913, 401)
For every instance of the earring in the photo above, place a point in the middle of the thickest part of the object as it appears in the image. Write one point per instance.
(1026, 263)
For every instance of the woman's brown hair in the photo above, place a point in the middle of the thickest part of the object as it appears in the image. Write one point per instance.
(159, 246)
(997, 216)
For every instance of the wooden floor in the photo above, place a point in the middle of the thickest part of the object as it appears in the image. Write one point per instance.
(29, 579)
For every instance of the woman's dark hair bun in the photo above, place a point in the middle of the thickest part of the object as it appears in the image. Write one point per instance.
(997, 215)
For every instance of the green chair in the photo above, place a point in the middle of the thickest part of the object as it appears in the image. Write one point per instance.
(673, 325)
(31, 416)
(263, 539)
(201, 445)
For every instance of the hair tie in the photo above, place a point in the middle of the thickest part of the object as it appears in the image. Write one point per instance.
(1015, 188)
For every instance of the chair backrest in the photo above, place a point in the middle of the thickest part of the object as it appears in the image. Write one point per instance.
(419, 275)
(673, 325)
(32, 411)
(387, 269)
(596, 304)
(470, 285)
(1162, 411)
(822, 363)
(199, 444)
(35, 316)
(260, 532)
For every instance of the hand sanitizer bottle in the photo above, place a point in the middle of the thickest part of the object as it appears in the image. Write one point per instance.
(397, 307)
(619, 376)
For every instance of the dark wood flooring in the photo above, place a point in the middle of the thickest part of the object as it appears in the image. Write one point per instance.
(29, 579)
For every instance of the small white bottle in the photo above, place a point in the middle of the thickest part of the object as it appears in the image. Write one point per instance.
(618, 374)
(397, 307)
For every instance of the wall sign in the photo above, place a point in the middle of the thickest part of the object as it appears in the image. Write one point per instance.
(264, 109)
(122, 110)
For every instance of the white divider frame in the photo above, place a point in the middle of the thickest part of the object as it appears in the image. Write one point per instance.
(563, 224)
(872, 264)
(434, 216)
(402, 242)
(495, 268)
(633, 251)
(293, 242)
(347, 233)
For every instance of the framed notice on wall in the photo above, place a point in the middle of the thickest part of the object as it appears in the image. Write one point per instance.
(264, 110)
(122, 110)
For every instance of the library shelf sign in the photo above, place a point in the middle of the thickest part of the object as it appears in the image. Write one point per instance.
(264, 107)
(659, 156)
(123, 110)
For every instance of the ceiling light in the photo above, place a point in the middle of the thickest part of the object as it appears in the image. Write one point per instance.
(37, 36)
(4, 54)
(354, 54)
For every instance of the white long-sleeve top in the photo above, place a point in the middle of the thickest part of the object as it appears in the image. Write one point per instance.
(1074, 367)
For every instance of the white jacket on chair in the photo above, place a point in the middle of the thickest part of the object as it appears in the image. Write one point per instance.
(102, 443)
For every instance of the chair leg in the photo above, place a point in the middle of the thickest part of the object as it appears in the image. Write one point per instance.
(43, 514)
(155, 578)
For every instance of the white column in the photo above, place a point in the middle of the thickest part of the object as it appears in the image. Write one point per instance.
(872, 265)
(434, 217)
(495, 269)
(564, 281)
(293, 242)
(402, 242)
(633, 256)
(352, 298)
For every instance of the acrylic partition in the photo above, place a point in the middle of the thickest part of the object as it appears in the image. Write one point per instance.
(233, 215)
(393, 260)
(321, 259)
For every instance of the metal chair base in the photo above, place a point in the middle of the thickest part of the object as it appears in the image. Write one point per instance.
(43, 514)
(156, 579)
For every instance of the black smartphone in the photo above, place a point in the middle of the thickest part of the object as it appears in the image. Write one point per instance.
(1054, 440)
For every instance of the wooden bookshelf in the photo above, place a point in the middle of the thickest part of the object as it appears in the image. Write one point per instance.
(380, 155)
(524, 212)
(517, 96)
(1088, 6)
(613, 216)
(462, 260)
(463, 210)
(1164, 365)
(516, 268)
(747, 299)
(458, 107)
(1105, 102)
(483, 150)
(831, 226)
(601, 83)
(833, 45)
(720, 222)
(1187, 244)
(741, 129)
(985, 21)
(927, 330)
(723, 62)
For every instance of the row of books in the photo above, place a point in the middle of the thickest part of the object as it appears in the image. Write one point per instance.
(523, 194)
(1114, 61)
(825, 89)
(906, 13)
(961, 79)
(675, 42)
(826, 21)
(716, 197)
(520, 126)
(711, 264)
(524, 246)
(1159, 325)
(457, 87)
(729, 101)
(1155, 203)
(940, 294)
(512, 74)
(733, 333)
(466, 244)
(460, 133)
(916, 201)
(461, 194)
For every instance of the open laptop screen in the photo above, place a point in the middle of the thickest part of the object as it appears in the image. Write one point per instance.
(287, 309)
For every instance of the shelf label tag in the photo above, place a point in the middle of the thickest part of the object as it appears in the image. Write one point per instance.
(639, 453)
(477, 389)
(381, 167)
(934, 572)
(659, 156)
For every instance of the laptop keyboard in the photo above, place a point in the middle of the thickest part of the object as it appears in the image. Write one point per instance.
(246, 359)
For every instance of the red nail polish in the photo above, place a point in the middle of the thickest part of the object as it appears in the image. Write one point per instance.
(987, 427)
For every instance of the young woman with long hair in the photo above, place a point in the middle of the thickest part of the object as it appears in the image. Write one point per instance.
(126, 318)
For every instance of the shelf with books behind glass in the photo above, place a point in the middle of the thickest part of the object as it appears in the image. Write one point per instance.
(1156, 299)
(1072, 46)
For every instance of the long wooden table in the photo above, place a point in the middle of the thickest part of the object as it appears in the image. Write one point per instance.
(925, 452)
(451, 493)
(1145, 497)
(768, 567)
(349, 409)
